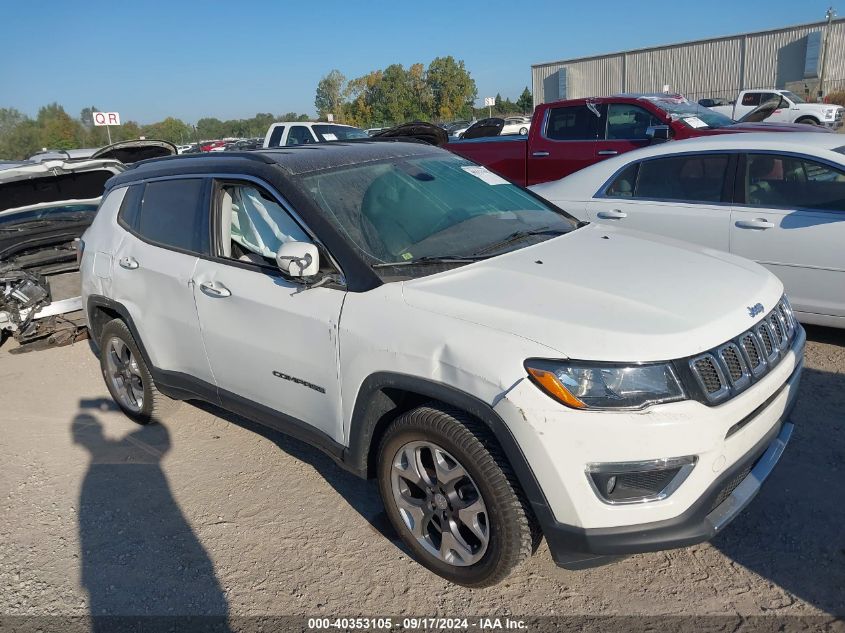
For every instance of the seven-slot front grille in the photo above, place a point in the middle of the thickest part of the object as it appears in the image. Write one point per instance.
(731, 367)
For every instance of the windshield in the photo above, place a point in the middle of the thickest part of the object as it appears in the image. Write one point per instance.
(693, 114)
(338, 132)
(404, 210)
(792, 97)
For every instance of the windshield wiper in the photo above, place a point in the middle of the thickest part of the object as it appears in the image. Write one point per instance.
(432, 259)
(516, 236)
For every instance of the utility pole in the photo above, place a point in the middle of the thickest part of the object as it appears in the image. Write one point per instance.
(829, 15)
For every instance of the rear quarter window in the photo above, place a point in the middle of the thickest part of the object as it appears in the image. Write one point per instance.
(127, 217)
(172, 214)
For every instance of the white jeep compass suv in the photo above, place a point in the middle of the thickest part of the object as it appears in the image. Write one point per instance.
(504, 371)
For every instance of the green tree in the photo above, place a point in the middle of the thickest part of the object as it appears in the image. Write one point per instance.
(525, 103)
(19, 135)
(452, 88)
(329, 97)
(57, 129)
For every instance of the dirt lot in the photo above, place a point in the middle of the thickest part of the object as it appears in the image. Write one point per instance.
(209, 514)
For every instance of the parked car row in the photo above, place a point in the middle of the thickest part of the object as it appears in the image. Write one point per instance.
(502, 368)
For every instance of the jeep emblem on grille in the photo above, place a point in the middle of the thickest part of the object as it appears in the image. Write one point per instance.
(756, 309)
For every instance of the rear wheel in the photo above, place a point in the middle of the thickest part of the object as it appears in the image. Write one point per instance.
(808, 120)
(127, 377)
(452, 497)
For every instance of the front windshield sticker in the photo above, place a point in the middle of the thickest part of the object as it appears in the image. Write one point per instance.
(694, 121)
(484, 174)
(328, 136)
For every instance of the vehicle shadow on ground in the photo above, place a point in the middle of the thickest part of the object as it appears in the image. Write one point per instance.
(361, 495)
(139, 555)
(793, 533)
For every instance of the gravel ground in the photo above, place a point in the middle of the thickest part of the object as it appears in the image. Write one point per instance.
(210, 514)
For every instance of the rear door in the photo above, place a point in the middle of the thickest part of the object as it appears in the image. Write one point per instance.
(153, 270)
(683, 196)
(790, 217)
(566, 142)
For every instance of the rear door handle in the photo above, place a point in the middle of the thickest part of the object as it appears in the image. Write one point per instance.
(129, 263)
(540, 154)
(613, 214)
(757, 223)
(607, 152)
(215, 289)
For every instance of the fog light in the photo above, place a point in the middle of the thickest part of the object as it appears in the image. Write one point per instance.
(639, 482)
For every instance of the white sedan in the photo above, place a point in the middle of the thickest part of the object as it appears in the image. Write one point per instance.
(516, 125)
(778, 199)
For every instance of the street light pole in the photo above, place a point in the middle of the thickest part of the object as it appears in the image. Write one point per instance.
(829, 15)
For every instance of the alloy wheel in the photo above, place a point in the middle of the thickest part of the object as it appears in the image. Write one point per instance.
(124, 375)
(440, 504)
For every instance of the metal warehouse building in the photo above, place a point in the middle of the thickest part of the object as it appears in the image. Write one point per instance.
(790, 58)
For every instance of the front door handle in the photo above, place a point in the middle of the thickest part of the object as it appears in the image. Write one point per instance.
(129, 263)
(607, 152)
(540, 154)
(613, 214)
(757, 223)
(215, 289)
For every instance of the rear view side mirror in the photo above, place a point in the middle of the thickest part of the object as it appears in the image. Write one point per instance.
(658, 133)
(298, 259)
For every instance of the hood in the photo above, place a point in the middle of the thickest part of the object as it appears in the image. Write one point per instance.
(765, 126)
(605, 294)
(132, 151)
(484, 128)
(418, 130)
(52, 182)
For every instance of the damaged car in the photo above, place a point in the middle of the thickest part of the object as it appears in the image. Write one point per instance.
(46, 204)
(44, 208)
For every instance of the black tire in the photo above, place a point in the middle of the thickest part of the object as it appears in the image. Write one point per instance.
(523, 131)
(808, 120)
(512, 529)
(155, 404)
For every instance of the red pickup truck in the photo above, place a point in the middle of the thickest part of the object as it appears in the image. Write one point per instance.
(566, 136)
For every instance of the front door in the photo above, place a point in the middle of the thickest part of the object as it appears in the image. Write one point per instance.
(791, 219)
(270, 341)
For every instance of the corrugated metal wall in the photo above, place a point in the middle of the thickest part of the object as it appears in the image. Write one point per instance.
(708, 68)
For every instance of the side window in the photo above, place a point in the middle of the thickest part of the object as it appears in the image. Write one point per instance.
(793, 183)
(691, 178)
(572, 123)
(623, 185)
(253, 225)
(299, 135)
(751, 99)
(130, 208)
(276, 136)
(628, 122)
(172, 214)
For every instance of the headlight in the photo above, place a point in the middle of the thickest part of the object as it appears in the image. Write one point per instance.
(829, 112)
(606, 386)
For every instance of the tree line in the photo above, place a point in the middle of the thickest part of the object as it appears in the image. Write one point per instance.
(442, 91)
(21, 136)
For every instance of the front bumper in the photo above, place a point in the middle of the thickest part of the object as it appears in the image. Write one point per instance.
(576, 548)
(737, 444)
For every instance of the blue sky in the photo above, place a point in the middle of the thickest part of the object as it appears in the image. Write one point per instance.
(150, 59)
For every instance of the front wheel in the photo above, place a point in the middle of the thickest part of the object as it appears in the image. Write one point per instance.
(523, 131)
(808, 120)
(452, 497)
